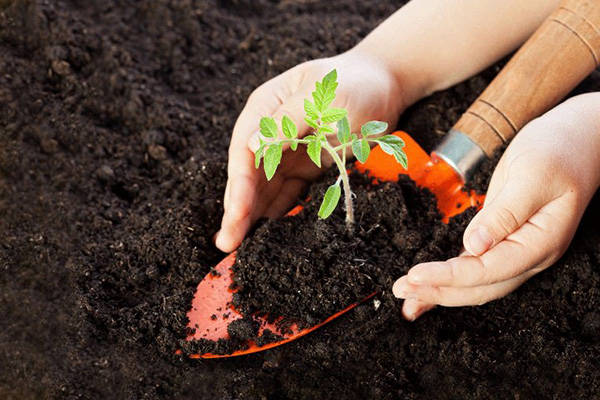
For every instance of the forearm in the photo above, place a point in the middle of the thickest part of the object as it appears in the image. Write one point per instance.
(431, 45)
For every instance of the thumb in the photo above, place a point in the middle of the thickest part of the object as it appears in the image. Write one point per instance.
(516, 202)
(293, 107)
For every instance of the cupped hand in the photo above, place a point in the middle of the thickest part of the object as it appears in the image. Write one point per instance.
(536, 198)
(368, 89)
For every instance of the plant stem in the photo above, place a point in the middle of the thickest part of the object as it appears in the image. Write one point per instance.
(303, 141)
(345, 184)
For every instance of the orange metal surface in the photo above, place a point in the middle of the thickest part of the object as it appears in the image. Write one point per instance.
(212, 310)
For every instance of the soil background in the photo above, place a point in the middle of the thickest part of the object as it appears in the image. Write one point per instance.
(115, 118)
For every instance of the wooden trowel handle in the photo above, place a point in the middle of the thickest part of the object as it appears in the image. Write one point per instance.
(561, 53)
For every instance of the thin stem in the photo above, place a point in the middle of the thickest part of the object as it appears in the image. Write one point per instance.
(345, 184)
(342, 147)
(303, 141)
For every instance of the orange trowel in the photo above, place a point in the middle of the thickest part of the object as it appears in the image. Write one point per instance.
(562, 52)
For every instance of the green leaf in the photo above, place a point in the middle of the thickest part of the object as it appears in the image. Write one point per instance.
(330, 201)
(401, 158)
(373, 128)
(318, 96)
(310, 122)
(268, 127)
(330, 82)
(272, 159)
(322, 99)
(289, 127)
(392, 140)
(258, 155)
(294, 145)
(325, 93)
(343, 133)
(311, 110)
(314, 151)
(393, 145)
(326, 129)
(361, 150)
(333, 115)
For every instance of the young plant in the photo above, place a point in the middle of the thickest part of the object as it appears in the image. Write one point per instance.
(320, 116)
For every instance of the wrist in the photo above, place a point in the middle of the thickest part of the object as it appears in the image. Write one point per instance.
(408, 84)
(575, 136)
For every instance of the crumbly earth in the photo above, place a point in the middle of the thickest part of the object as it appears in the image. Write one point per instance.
(307, 269)
(115, 117)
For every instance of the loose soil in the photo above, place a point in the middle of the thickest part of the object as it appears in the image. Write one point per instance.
(307, 269)
(115, 119)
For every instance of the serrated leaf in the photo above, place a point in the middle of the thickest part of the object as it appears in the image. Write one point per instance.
(333, 115)
(373, 128)
(401, 158)
(361, 150)
(272, 160)
(343, 130)
(314, 151)
(393, 145)
(268, 127)
(318, 96)
(311, 123)
(289, 127)
(391, 139)
(323, 100)
(258, 155)
(328, 98)
(330, 81)
(330, 201)
(311, 110)
(325, 91)
(326, 129)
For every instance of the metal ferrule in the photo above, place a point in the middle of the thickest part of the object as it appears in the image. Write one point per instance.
(460, 152)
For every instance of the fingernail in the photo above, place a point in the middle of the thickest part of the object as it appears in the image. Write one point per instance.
(398, 288)
(215, 236)
(480, 241)
(220, 242)
(411, 310)
(424, 273)
(254, 142)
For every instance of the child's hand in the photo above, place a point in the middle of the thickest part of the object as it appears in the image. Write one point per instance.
(535, 201)
(367, 89)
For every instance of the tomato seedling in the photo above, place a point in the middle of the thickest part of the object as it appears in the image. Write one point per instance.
(320, 117)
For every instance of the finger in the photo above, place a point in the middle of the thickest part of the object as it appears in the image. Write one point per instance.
(243, 178)
(413, 309)
(518, 200)
(531, 245)
(458, 297)
(239, 212)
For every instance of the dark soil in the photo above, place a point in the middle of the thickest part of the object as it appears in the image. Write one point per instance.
(115, 119)
(307, 269)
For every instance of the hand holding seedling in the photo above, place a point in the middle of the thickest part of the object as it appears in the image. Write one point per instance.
(367, 90)
(320, 116)
(536, 198)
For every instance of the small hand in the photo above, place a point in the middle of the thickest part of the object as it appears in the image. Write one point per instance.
(535, 200)
(367, 89)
